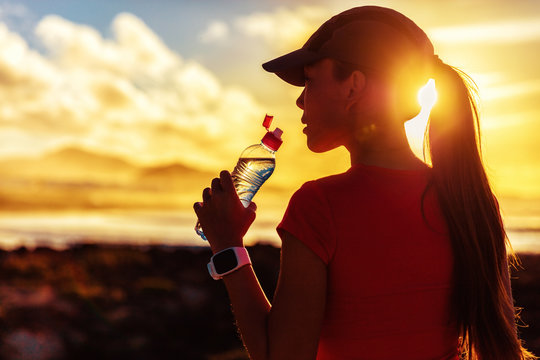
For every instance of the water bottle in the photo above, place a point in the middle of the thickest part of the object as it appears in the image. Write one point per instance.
(255, 165)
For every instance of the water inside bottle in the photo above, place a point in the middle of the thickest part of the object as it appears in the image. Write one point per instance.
(249, 174)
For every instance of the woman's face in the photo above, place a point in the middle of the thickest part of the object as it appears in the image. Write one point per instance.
(324, 102)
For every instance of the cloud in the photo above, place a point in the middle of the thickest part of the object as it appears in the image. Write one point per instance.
(523, 88)
(523, 119)
(215, 32)
(496, 32)
(129, 95)
(135, 48)
(283, 28)
(496, 86)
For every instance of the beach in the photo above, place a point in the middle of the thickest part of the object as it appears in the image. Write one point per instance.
(92, 301)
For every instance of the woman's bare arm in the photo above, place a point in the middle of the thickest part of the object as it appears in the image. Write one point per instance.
(289, 329)
(299, 302)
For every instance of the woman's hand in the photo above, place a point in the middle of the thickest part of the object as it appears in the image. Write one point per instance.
(223, 218)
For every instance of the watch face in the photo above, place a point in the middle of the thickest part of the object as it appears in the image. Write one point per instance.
(225, 261)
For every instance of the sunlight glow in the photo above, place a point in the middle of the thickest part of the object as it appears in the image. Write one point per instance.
(427, 95)
(416, 127)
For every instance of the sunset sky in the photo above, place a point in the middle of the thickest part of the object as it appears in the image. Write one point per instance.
(157, 82)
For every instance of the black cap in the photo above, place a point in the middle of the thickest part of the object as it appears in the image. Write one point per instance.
(370, 37)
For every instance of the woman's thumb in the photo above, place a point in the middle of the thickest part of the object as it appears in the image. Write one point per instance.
(252, 206)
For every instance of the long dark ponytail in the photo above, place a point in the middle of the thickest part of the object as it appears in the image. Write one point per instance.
(481, 297)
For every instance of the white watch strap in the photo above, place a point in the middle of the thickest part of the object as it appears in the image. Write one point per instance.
(242, 259)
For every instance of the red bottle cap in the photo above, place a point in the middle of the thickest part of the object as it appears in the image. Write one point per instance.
(272, 139)
(267, 121)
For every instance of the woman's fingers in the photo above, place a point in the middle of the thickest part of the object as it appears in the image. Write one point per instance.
(222, 185)
(226, 181)
(216, 185)
(206, 194)
(197, 206)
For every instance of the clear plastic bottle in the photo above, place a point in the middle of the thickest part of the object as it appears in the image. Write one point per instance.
(255, 165)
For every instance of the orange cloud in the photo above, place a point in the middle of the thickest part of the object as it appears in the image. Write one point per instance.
(494, 32)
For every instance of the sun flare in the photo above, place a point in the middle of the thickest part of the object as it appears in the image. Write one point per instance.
(416, 127)
(427, 95)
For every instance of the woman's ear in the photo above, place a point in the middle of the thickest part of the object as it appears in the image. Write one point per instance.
(355, 86)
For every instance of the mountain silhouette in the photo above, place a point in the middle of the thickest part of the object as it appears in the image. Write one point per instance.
(75, 164)
(78, 178)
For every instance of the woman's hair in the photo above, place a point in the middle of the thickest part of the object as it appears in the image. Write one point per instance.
(481, 297)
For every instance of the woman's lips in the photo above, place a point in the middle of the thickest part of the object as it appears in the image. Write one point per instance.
(303, 121)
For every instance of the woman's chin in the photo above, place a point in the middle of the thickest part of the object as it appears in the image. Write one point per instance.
(318, 147)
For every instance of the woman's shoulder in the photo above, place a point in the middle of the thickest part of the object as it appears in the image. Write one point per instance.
(323, 189)
(364, 179)
(325, 183)
(334, 181)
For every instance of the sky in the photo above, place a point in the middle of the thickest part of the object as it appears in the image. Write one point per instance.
(166, 81)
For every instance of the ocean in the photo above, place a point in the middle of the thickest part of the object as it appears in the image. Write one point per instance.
(60, 230)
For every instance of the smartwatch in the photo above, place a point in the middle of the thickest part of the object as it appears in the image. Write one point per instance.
(228, 260)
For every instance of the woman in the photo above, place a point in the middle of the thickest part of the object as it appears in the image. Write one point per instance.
(392, 259)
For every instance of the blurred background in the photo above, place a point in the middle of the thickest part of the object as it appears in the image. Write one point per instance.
(114, 115)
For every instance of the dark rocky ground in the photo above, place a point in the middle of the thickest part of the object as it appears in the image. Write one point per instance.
(95, 302)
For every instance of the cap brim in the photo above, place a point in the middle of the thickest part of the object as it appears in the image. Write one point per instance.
(290, 67)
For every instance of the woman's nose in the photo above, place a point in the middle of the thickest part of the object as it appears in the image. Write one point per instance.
(300, 100)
